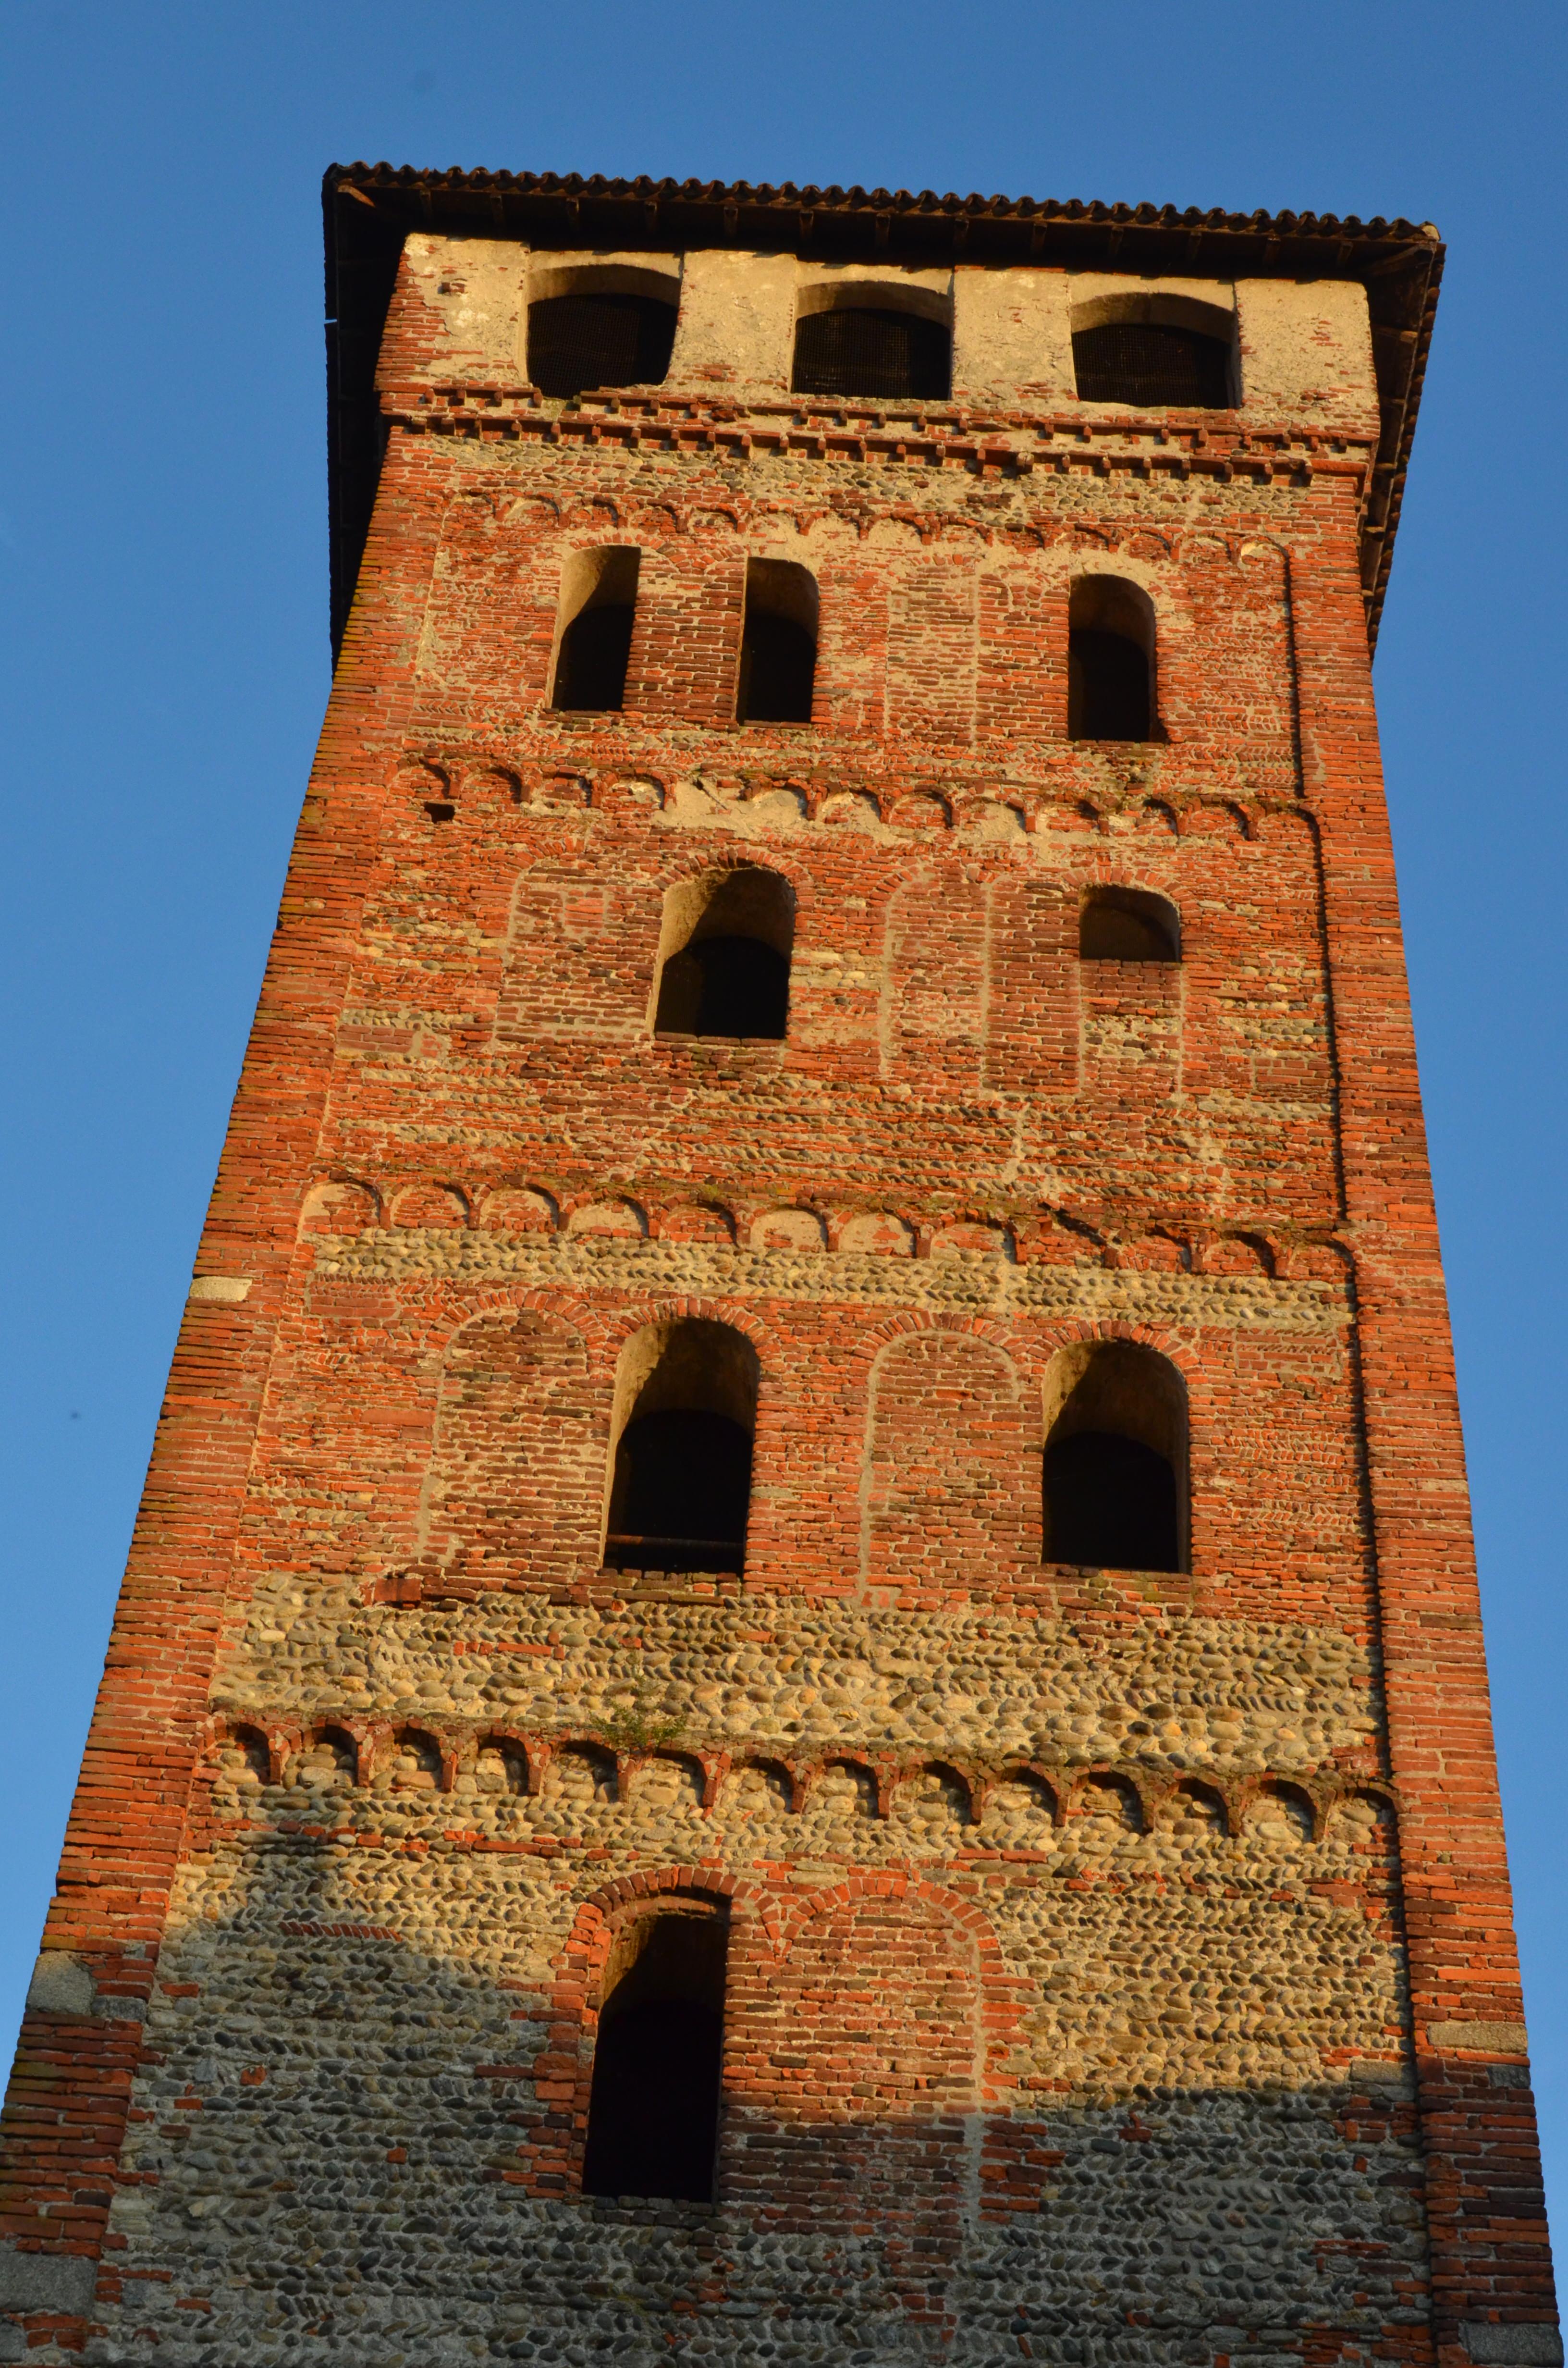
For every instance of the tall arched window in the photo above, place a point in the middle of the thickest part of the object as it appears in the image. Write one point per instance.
(1110, 660)
(680, 1479)
(881, 351)
(599, 602)
(725, 955)
(778, 643)
(598, 336)
(1115, 1457)
(653, 2105)
(1149, 350)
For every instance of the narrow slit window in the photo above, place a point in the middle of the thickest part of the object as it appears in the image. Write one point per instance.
(596, 338)
(1128, 924)
(653, 2103)
(725, 968)
(598, 604)
(778, 643)
(1115, 1459)
(867, 351)
(680, 1477)
(1110, 660)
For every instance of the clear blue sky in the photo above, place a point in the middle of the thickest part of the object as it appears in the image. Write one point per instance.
(165, 656)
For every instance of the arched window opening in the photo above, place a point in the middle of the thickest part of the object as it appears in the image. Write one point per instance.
(778, 643)
(598, 600)
(1145, 350)
(885, 354)
(680, 1480)
(598, 338)
(1115, 1459)
(1110, 660)
(1128, 924)
(724, 966)
(1145, 362)
(654, 2104)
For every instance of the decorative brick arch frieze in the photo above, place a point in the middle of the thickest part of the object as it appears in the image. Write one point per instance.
(595, 514)
(280, 1742)
(707, 1768)
(339, 1201)
(1020, 1233)
(1320, 1258)
(530, 1753)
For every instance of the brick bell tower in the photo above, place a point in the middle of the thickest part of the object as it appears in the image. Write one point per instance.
(800, 1680)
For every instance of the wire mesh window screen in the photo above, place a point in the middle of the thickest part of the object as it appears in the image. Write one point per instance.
(890, 356)
(1144, 362)
(576, 342)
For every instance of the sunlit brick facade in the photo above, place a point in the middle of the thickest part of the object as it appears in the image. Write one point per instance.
(919, 1546)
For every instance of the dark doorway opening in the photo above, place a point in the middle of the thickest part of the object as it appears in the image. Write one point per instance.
(727, 972)
(778, 643)
(653, 2105)
(580, 342)
(680, 1485)
(590, 672)
(778, 659)
(1110, 1503)
(1147, 362)
(1115, 1468)
(599, 599)
(725, 987)
(1107, 687)
(1110, 660)
(886, 356)
(1128, 924)
(682, 1490)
